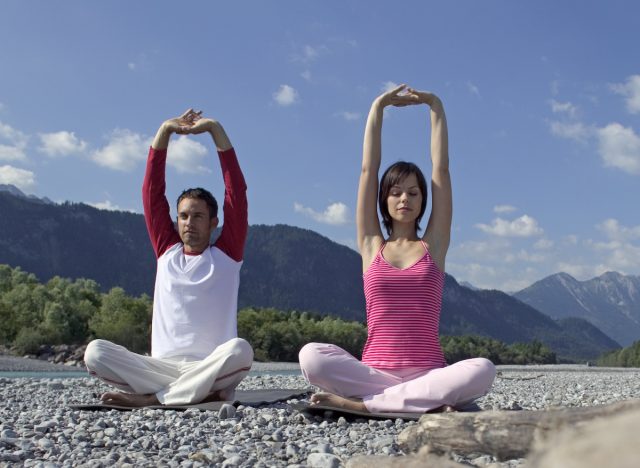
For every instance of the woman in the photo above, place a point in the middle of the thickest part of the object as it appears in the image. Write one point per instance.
(403, 367)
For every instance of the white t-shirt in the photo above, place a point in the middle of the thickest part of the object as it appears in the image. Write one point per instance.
(195, 302)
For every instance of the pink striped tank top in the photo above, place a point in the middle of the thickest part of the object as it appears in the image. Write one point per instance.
(403, 314)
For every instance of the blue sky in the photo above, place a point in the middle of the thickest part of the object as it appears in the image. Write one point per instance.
(542, 100)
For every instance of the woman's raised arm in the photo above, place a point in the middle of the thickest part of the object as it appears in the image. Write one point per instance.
(370, 235)
(438, 232)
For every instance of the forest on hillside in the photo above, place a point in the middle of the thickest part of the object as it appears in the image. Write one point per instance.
(62, 311)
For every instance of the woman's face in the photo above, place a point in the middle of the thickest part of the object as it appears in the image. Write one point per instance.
(405, 200)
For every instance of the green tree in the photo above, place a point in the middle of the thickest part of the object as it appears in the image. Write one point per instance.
(124, 320)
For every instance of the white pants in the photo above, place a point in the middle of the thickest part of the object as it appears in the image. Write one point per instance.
(175, 381)
(413, 389)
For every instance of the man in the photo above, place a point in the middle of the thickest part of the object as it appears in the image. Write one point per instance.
(196, 355)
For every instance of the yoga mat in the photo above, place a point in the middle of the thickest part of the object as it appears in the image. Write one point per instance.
(243, 397)
(321, 410)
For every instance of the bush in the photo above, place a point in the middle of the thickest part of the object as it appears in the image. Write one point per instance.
(28, 341)
(458, 348)
(278, 336)
(124, 320)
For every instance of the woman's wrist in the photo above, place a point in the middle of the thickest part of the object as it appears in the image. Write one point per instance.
(379, 103)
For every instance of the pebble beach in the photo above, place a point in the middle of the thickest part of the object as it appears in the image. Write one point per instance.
(39, 429)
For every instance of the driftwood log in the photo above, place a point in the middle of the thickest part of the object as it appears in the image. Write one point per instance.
(503, 434)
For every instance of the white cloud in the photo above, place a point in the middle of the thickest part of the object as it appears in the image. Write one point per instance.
(571, 239)
(504, 209)
(480, 251)
(12, 144)
(630, 90)
(306, 75)
(619, 147)
(131, 66)
(524, 226)
(563, 108)
(473, 89)
(186, 155)
(571, 130)
(21, 178)
(614, 231)
(61, 144)
(309, 53)
(389, 85)
(12, 153)
(123, 152)
(286, 95)
(620, 251)
(9, 133)
(335, 214)
(543, 244)
(107, 205)
(349, 116)
(524, 256)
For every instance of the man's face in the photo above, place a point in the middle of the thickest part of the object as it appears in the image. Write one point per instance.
(194, 225)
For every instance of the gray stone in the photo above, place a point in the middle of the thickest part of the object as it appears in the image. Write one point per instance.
(385, 441)
(323, 460)
(45, 444)
(9, 434)
(226, 411)
(235, 460)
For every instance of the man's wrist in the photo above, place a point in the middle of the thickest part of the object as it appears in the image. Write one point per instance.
(166, 128)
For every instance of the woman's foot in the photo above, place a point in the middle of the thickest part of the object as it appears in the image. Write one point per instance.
(443, 409)
(130, 400)
(329, 399)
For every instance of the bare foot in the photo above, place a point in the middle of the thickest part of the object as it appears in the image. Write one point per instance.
(131, 400)
(330, 399)
(218, 395)
(443, 409)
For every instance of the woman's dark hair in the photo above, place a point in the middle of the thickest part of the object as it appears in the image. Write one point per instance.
(395, 174)
(201, 194)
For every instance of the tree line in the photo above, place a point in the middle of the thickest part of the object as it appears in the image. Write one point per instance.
(625, 357)
(62, 311)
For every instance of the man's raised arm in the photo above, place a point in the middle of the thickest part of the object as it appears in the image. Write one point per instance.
(157, 213)
(235, 227)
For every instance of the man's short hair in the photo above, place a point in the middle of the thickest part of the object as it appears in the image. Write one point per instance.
(201, 194)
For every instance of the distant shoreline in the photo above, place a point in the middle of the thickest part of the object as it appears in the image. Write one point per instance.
(20, 364)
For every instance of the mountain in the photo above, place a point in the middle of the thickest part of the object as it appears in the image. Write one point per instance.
(284, 267)
(75, 240)
(497, 315)
(297, 269)
(15, 191)
(611, 302)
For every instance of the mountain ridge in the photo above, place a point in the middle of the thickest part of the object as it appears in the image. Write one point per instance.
(610, 301)
(285, 267)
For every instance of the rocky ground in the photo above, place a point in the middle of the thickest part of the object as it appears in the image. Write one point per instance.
(37, 427)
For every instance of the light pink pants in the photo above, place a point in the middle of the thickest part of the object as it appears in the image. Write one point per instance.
(415, 390)
(175, 381)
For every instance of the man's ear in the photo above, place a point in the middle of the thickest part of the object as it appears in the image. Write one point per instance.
(214, 222)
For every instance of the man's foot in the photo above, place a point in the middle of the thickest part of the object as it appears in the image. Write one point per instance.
(130, 400)
(330, 399)
(218, 395)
